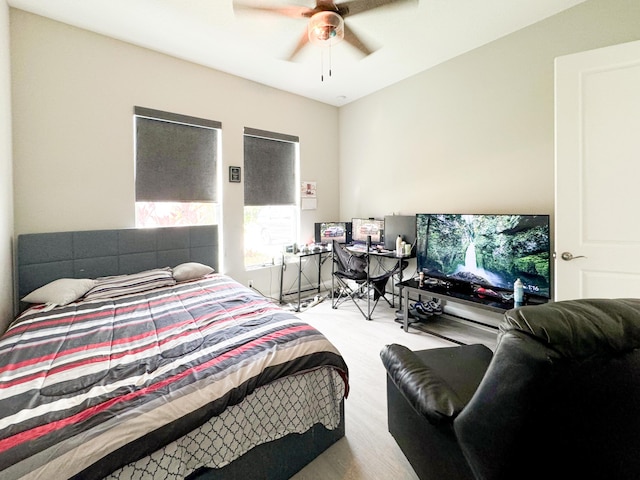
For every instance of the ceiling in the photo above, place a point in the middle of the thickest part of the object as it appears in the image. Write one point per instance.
(412, 36)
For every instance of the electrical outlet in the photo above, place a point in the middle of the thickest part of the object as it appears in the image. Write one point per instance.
(250, 283)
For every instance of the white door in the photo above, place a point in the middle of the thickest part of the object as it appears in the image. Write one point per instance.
(597, 211)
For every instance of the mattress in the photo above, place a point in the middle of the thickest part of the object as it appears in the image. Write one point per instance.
(94, 386)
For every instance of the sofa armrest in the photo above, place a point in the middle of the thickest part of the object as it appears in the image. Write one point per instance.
(427, 392)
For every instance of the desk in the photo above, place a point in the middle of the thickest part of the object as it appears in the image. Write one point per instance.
(317, 258)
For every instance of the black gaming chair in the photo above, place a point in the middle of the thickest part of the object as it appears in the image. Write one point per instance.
(353, 269)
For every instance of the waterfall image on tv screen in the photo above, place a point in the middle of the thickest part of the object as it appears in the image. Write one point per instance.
(487, 250)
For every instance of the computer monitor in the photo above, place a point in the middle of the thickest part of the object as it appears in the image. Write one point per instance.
(325, 232)
(403, 225)
(361, 228)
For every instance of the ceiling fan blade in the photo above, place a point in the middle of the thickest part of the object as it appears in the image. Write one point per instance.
(353, 39)
(292, 11)
(323, 5)
(353, 7)
(302, 42)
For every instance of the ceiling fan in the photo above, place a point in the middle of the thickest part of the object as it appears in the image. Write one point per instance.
(326, 25)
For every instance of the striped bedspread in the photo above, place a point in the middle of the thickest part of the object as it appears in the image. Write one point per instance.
(90, 387)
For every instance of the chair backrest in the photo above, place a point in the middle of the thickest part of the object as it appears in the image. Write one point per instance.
(562, 390)
(346, 261)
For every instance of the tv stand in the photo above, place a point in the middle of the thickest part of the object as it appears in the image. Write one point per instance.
(461, 293)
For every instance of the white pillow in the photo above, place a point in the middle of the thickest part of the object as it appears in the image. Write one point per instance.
(61, 291)
(190, 271)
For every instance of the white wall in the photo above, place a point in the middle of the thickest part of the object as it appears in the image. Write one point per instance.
(6, 179)
(475, 134)
(74, 93)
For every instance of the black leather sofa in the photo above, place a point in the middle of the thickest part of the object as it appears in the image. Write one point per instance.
(559, 397)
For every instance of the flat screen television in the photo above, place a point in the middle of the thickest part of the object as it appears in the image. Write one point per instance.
(326, 232)
(361, 228)
(486, 251)
(403, 225)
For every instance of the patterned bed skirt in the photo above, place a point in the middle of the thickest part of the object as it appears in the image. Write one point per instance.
(289, 405)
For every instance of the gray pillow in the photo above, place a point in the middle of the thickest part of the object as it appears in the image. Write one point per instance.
(110, 287)
(191, 271)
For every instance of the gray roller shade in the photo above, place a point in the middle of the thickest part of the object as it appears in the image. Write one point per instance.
(175, 157)
(270, 169)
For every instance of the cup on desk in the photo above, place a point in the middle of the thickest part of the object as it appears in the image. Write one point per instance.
(407, 249)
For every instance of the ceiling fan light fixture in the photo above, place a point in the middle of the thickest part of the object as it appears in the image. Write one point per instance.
(325, 29)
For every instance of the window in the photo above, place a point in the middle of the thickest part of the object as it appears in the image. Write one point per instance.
(270, 209)
(176, 169)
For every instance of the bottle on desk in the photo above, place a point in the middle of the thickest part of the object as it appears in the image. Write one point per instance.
(399, 245)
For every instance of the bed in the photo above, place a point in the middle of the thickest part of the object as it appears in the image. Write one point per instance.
(160, 368)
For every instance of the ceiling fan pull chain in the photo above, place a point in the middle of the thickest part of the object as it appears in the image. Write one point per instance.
(329, 59)
(321, 66)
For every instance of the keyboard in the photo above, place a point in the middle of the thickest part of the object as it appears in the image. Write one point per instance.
(362, 248)
(359, 247)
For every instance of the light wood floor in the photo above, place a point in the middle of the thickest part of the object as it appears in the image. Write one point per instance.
(368, 451)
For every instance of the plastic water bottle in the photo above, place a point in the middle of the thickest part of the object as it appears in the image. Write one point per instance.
(518, 293)
(399, 245)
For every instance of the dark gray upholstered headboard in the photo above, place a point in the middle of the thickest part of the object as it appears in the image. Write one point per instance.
(44, 257)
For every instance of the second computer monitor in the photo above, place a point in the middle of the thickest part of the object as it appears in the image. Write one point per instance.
(367, 227)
